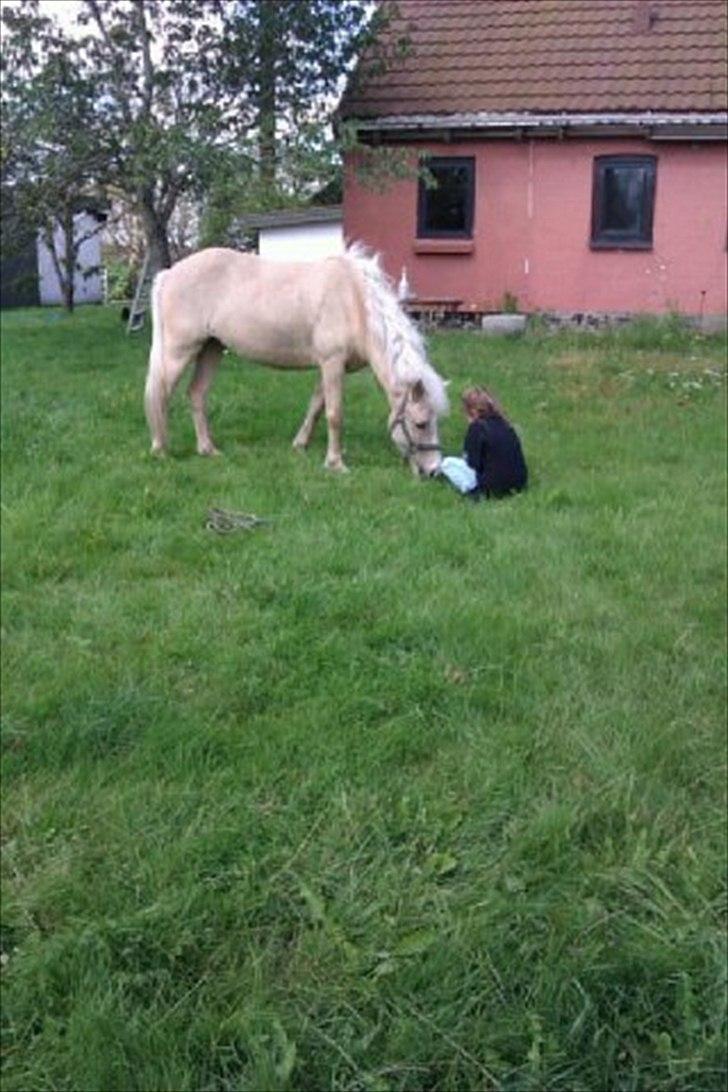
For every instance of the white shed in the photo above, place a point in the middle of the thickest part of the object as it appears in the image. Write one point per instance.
(299, 234)
(87, 289)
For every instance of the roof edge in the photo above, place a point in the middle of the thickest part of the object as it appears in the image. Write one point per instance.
(658, 125)
(308, 214)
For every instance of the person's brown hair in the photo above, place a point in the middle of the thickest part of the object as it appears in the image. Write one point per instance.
(481, 402)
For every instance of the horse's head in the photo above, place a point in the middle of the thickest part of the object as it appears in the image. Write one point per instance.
(413, 428)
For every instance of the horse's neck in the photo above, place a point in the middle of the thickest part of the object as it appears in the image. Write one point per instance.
(383, 373)
(389, 340)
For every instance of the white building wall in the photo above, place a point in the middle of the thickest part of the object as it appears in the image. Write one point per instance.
(87, 289)
(302, 243)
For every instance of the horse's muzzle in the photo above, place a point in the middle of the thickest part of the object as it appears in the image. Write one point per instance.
(426, 471)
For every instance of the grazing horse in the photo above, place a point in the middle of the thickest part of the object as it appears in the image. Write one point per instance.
(338, 314)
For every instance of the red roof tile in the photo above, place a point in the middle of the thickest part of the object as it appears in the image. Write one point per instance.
(549, 56)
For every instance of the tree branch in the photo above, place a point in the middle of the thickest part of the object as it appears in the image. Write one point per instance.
(124, 100)
(148, 69)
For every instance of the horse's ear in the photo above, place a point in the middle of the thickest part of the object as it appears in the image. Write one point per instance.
(418, 391)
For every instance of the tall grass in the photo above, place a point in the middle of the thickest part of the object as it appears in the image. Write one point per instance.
(395, 792)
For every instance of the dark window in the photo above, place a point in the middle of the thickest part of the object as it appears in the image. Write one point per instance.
(623, 201)
(446, 209)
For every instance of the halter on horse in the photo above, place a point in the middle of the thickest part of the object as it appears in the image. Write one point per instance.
(413, 446)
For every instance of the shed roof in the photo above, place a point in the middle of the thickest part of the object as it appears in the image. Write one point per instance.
(549, 56)
(312, 214)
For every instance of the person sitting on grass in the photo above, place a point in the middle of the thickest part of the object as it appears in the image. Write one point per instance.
(492, 464)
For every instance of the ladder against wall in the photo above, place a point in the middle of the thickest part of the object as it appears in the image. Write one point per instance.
(142, 297)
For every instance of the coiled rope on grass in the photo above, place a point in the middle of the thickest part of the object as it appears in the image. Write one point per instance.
(225, 522)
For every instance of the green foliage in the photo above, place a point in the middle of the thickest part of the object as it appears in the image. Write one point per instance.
(121, 280)
(302, 49)
(54, 157)
(292, 57)
(397, 792)
(165, 98)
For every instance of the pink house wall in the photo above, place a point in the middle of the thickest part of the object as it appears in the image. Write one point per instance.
(532, 224)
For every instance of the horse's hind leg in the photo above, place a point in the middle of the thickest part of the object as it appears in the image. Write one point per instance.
(205, 367)
(315, 408)
(164, 375)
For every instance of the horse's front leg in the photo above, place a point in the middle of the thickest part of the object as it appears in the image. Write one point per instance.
(332, 375)
(315, 407)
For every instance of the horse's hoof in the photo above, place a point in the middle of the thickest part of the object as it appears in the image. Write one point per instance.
(211, 450)
(338, 466)
(300, 446)
(157, 451)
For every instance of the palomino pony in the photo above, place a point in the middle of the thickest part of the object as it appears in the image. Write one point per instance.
(339, 314)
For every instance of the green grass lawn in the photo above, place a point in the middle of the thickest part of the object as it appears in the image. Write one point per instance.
(395, 793)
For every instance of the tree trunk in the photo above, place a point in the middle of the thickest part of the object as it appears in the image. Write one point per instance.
(267, 28)
(155, 233)
(69, 263)
(64, 261)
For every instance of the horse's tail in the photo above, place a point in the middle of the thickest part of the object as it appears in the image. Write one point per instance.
(394, 344)
(155, 393)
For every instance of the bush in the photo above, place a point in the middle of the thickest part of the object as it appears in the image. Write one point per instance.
(121, 281)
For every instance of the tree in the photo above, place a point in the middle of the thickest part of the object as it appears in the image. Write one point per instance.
(182, 93)
(148, 74)
(170, 116)
(50, 165)
(293, 55)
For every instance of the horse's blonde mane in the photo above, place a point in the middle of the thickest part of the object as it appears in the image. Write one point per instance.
(398, 338)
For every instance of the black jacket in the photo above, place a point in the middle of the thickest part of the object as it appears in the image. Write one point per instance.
(494, 451)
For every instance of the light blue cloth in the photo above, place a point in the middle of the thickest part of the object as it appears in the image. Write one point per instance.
(458, 473)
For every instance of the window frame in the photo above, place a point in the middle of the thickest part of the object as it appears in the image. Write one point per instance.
(603, 239)
(423, 232)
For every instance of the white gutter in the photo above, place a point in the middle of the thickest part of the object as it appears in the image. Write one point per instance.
(480, 120)
(656, 126)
